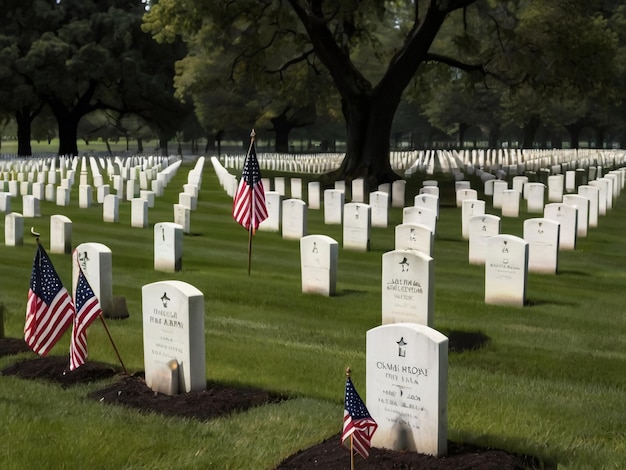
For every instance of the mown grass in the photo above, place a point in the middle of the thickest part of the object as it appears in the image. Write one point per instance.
(551, 381)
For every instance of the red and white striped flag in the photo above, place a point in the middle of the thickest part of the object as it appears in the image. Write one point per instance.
(249, 207)
(49, 310)
(357, 422)
(87, 310)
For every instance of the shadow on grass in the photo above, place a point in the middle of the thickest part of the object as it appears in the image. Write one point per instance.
(349, 292)
(459, 341)
(541, 302)
(571, 272)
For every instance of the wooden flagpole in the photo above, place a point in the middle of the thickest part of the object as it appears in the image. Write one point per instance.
(351, 452)
(113, 343)
(251, 201)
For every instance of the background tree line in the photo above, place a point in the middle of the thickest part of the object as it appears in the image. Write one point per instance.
(368, 73)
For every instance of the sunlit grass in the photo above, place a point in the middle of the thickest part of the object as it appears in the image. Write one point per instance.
(550, 382)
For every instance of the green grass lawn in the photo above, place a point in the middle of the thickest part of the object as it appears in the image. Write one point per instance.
(551, 382)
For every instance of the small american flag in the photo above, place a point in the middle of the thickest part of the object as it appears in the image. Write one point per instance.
(49, 310)
(249, 204)
(357, 422)
(87, 310)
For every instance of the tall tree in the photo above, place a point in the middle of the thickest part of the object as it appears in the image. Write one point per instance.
(338, 33)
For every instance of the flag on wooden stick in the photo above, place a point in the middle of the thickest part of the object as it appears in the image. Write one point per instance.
(49, 310)
(87, 310)
(249, 207)
(357, 422)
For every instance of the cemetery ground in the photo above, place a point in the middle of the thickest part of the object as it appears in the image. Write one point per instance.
(548, 383)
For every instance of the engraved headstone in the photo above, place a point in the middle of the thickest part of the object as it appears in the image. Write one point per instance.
(414, 237)
(182, 217)
(168, 247)
(427, 201)
(379, 202)
(407, 287)
(542, 236)
(356, 226)
(333, 206)
(418, 215)
(173, 330)
(96, 262)
(567, 217)
(481, 227)
(407, 388)
(470, 208)
(535, 197)
(506, 270)
(318, 263)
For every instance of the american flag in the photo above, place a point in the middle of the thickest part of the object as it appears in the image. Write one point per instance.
(49, 310)
(87, 310)
(357, 422)
(249, 204)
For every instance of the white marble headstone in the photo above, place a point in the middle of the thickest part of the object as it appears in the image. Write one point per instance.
(60, 234)
(333, 206)
(418, 215)
(582, 204)
(294, 222)
(407, 387)
(182, 217)
(318, 263)
(567, 217)
(273, 203)
(138, 213)
(96, 262)
(414, 237)
(313, 193)
(14, 229)
(356, 226)
(506, 270)
(110, 208)
(535, 197)
(481, 227)
(168, 247)
(379, 202)
(398, 188)
(173, 329)
(469, 209)
(542, 236)
(593, 194)
(407, 287)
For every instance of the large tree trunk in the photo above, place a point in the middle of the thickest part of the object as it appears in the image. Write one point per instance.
(282, 128)
(574, 134)
(600, 137)
(529, 132)
(68, 134)
(24, 120)
(369, 121)
(462, 130)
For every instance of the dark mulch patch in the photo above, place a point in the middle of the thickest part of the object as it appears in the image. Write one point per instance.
(57, 369)
(330, 455)
(218, 400)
